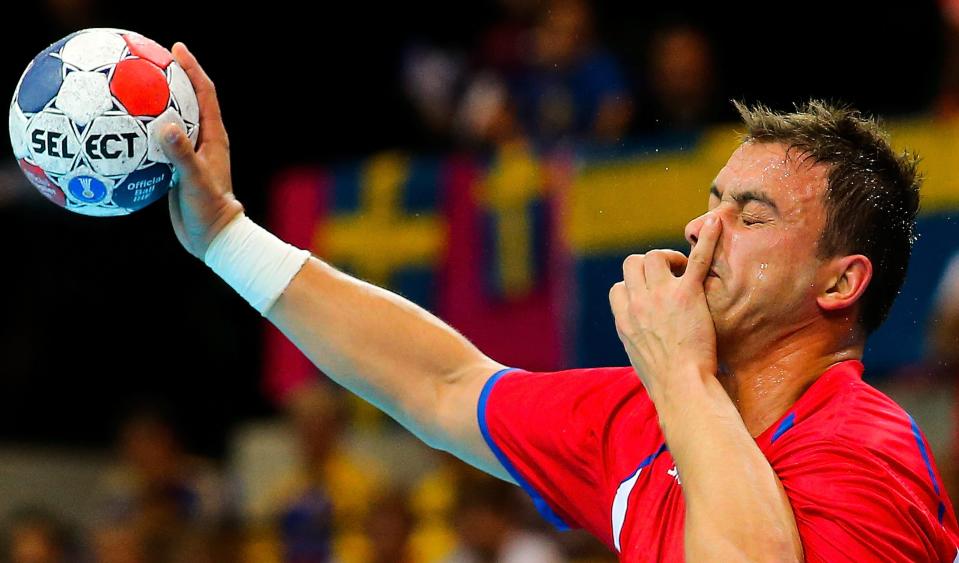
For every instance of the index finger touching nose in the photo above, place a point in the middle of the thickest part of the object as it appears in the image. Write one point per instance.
(701, 256)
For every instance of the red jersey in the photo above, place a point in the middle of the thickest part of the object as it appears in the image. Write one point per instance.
(587, 446)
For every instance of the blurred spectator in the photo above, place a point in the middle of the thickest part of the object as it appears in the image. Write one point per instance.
(432, 501)
(487, 115)
(159, 502)
(464, 98)
(681, 80)
(505, 46)
(118, 542)
(947, 102)
(929, 389)
(388, 529)
(431, 80)
(538, 73)
(943, 351)
(573, 88)
(318, 511)
(944, 324)
(488, 524)
(35, 535)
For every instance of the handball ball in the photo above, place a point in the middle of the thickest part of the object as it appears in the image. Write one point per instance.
(87, 116)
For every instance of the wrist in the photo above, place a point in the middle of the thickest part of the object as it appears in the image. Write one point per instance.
(228, 212)
(253, 261)
(687, 397)
(680, 386)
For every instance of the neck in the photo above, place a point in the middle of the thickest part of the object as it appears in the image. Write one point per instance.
(764, 386)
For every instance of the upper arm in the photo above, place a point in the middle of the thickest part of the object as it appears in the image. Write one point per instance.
(546, 430)
(458, 422)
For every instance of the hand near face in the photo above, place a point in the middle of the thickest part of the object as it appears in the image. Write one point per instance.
(661, 313)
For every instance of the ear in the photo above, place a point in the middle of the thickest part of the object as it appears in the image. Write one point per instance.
(849, 276)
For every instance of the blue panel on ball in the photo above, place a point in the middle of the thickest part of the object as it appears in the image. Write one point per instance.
(41, 83)
(143, 187)
(87, 189)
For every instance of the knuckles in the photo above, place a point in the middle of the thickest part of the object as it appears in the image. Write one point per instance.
(699, 260)
(633, 261)
(637, 308)
(617, 292)
(658, 253)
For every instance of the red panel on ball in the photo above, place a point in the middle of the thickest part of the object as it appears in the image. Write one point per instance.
(148, 49)
(44, 185)
(140, 86)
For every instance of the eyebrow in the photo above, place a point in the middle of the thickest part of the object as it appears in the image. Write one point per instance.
(746, 196)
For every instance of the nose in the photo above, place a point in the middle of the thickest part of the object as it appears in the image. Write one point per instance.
(693, 228)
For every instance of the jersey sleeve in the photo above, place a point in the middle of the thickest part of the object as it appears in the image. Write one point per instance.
(546, 429)
(850, 506)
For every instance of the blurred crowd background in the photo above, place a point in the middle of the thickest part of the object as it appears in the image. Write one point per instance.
(493, 161)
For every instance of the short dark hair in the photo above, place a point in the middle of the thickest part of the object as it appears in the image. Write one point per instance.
(872, 192)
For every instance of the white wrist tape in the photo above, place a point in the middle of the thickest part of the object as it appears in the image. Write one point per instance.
(254, 262)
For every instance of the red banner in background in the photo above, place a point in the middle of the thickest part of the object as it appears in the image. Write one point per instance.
(499, 273)
(300, 198)
(503, 276)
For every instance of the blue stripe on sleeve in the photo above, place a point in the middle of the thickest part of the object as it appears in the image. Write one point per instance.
(540, 503)
(925, 458)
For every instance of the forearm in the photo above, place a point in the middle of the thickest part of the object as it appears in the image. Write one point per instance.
(375, 343)
(736, 508)
(378, 345)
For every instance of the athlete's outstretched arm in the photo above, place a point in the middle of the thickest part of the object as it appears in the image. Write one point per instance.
(373, 342)
(393, 354)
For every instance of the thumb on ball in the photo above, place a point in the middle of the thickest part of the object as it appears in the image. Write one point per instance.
(178, 148)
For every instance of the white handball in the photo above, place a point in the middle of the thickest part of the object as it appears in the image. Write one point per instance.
(86, 118)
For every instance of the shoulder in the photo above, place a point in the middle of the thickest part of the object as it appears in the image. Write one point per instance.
(858, 448)
(850, 419)
(594, 381)
(843, 411)
(587, 391)
(864, 423)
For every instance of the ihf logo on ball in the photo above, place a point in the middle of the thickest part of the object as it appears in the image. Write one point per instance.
(87, 189)
(86, 118)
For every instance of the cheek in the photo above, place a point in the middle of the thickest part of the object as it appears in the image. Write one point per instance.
(755, 256)
(777, 264)
(790, 274)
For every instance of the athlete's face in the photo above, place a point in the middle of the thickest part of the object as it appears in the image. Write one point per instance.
(765, 265)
